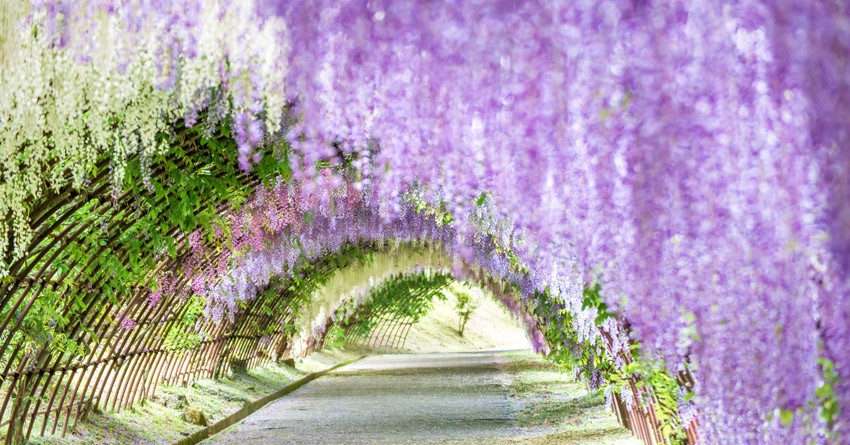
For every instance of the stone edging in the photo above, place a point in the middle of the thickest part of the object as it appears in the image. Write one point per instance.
(251, 407)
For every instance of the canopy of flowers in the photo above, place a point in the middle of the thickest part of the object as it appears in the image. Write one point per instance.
(689, 157)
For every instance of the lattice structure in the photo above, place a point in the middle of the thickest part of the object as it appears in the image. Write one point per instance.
(94, 260)
(82, 240)
(386, 319)
(117, 367)
(129, 366)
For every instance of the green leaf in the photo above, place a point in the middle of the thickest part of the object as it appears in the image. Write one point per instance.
(824, 391)
(603, 314)
(786, 417)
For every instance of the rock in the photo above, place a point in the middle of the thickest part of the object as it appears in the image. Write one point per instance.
(239, 366)
(289, 362)
(233, 398)
(176, 402)
(194, 416)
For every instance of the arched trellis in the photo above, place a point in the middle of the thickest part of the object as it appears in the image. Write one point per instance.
(611, 139)
(82, 239)
(257, 334)
(75, 259)
(131, 372)
(385, 319)
(239, 343)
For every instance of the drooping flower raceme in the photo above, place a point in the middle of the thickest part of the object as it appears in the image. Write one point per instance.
(110, 79)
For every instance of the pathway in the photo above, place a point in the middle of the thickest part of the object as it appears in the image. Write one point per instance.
(456, 398)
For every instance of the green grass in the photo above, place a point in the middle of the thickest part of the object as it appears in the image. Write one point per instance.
(489, 327)
(158, 420)
(560, 408)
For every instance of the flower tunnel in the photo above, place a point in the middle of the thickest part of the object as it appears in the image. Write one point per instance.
(658, 190)
(171, 283)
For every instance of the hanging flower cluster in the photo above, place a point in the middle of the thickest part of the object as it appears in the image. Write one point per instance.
(92, 80)
(270, 237)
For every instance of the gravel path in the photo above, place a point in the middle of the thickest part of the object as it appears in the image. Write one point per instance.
(392, 399)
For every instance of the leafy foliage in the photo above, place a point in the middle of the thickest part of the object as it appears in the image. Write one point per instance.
(465, 305)
(405, 297)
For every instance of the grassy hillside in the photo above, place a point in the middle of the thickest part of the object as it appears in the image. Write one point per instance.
(490, 327)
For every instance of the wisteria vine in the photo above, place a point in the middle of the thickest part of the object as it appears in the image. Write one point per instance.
(690, 157)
